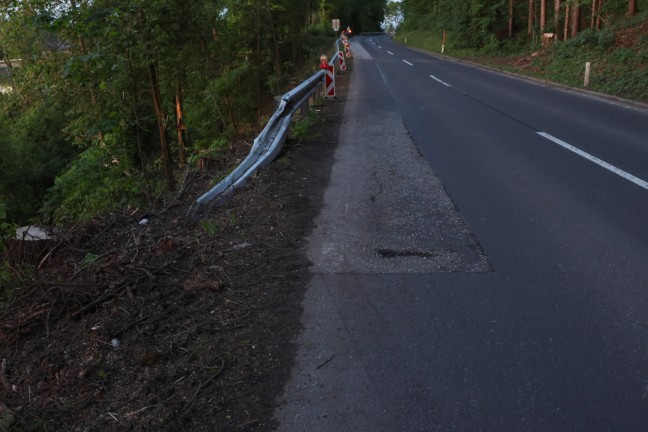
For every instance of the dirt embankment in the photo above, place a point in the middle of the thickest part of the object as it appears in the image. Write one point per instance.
(176, 324)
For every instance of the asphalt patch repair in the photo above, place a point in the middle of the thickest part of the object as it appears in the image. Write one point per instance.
(176, 324)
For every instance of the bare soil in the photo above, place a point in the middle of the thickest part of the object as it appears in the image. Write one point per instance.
(177, 324)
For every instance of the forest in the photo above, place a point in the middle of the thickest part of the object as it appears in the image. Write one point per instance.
(104, 103)
(486, 24)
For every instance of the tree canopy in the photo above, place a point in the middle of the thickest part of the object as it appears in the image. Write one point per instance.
(486, 23)
(109, 99)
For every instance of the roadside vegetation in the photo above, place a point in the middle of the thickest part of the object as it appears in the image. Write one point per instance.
(554, 45)
(104, 103)
(115, 107)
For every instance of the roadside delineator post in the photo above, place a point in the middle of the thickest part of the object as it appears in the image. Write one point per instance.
(443, 42)
(347, 44)
(588, 70)
(343, 67)
(329, 82)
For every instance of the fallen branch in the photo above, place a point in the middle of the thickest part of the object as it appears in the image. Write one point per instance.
(3, 375)
(104, 297)
(203, 385)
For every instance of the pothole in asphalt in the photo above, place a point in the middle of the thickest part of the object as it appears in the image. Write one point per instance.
(392, 253)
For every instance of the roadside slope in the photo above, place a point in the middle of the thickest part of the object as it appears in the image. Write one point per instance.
(174, 324)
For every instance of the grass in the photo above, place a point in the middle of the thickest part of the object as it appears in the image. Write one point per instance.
(301, 127)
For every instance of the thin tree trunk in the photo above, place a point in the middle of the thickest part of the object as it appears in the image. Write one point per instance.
(632, 8)
(258, 48)
(567, 14)
(138, 136)
(543, 15)
(180, 125)
(510, 19)
(576, 19)
(162, 120)
(557, 18)
(530, 27)
(598, 16)
(277, 59)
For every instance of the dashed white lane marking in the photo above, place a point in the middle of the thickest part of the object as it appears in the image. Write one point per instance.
(607, 166)
(438, 80)
(390, 53)
(379, 46)
(406, 62)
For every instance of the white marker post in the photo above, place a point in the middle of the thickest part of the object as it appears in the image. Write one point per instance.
(336, 25)
(588, 69)
(443, 42)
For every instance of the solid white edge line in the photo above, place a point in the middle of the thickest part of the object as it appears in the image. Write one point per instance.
(438, 80)
(607, 166)
(389, 52)
(405, 61)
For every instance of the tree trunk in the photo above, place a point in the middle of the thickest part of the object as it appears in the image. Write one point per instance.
(530, 27)
(258, 56)
(593, 21)
(277, 58)
(632, 8)
(180, 125)
(510, 20)
(598, 16)
(557, 18)
(161, 120)
(576, 19)
(543, 15)
(566, 30)
(134, 97)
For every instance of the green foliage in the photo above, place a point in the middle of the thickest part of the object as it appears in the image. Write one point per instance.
(34, 150)
(6, 276)
(100, 179)
(616, 70)
(430, 41)
(302, 127)
(90, 122)
(211, 227)
(319, 30)
(209, 148)
(7, 229)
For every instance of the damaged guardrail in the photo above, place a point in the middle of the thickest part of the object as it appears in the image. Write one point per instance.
(268, 144)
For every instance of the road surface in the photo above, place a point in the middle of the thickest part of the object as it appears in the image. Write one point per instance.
(481, 260)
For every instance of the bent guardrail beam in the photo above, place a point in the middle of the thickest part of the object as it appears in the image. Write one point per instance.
(268, 144)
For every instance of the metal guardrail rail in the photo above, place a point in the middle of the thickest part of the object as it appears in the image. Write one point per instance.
(268, 144)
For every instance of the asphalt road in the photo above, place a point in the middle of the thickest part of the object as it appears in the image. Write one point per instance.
(481, 261)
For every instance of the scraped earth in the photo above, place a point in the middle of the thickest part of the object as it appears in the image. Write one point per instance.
(178, 324)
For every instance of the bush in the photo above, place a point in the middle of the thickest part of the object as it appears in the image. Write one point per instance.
(100, 179)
